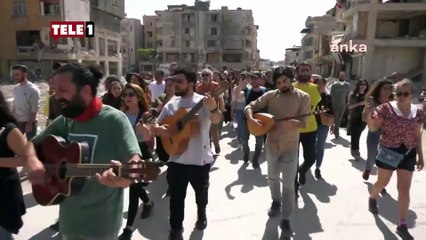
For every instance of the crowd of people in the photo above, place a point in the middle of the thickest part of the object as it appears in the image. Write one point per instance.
(114, 127)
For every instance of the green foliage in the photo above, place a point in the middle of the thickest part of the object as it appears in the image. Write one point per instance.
(146, 54)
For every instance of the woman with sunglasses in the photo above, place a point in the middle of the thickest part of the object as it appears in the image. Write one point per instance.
(356, 125)
(135, 107)
(379, 93)
(400, 142)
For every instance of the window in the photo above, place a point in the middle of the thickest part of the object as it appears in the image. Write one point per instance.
(211, 43)
(149, 34)
(131, 28)
(173, 43)
(159, 43)
(149, 45)
(187, 31)
(114, 3)
(19, 8)
(187, 44)
(213, 31)
(50, 8)
(213, 18)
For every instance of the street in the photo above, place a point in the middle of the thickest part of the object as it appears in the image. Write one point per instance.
(331, 209)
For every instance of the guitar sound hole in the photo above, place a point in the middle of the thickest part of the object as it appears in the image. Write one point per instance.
(62, 170)
(179, 125)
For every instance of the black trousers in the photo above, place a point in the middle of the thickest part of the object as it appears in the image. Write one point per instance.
(178, 177)
(137, 190)
(356, 129)
(308, 141)
(161, 153)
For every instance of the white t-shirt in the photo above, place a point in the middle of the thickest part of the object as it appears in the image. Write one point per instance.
(156, 89)
(26, 101)
(198, 152)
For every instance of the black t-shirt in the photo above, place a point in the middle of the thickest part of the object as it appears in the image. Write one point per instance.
(12, 205)
(252, 95)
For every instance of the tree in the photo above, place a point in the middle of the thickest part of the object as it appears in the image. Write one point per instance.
(146, 54)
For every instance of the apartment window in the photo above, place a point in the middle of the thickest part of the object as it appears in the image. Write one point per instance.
(213, 31)
(173, 43)
(149, 34)
(187, 31)
(159, 43)
(211, 43)
(50, 8)
(187, 44)
(150, 24)
(114, 3)
(213, 18)
(19, 8)
(131, 28)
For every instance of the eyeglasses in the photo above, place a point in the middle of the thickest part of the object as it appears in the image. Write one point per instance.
(130, 94)
(402, 94)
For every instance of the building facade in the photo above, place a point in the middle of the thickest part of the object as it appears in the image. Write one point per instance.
(131, 41)
(194, 36)
(27, 26)
(394, 34)
(292, 55)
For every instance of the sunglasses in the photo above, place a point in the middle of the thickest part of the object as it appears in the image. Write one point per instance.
(402, 94)
(128, 95)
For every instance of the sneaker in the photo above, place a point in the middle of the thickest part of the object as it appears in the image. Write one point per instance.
(126, 235)
(366, 174)
(318, 174)
(146, 209)
(355, 154)
(55, 226)
(256, 164)
(402, 231)
(275, 209)
(286, 229)
(372, 206)
(175, 235)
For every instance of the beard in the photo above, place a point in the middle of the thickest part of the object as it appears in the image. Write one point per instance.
(303, 78)
(73, 108)
(19, 80)
(181, 92)
(341, 80)
(284, 90)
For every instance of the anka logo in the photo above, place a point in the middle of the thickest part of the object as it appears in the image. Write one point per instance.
(71, 29)
(348, 47)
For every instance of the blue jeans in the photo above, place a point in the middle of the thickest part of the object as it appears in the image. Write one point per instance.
(322, 133)
(372, 144)
(240, 118)
(4, 234)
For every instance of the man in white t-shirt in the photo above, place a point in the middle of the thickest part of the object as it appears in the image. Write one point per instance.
(158, 86)
(26, 101)
(193, 165)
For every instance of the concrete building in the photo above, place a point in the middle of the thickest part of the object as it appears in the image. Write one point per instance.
(194, 36)
(315, 48)
(132, 40)
(26, 23)
(394, 34)
(292, 55)
(149, 60)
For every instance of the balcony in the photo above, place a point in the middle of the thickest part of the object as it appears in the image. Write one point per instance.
(400, 42)
(366, 5)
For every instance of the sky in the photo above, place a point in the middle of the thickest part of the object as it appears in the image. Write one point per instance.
(280, 21)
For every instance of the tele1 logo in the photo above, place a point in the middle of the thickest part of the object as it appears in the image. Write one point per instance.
(70, 29)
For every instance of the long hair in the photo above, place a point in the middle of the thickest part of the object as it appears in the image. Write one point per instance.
(140, 94)
(356, 91)
(6, 115)
(376, 88)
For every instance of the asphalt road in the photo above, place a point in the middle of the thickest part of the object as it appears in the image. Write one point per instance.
(334, 208)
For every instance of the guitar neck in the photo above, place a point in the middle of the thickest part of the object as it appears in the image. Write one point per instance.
(87, 170)
(297, 116)
(12, 162)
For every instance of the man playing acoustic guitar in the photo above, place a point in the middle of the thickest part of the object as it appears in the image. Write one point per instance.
(94, 213)
(283, 141)
(193, 165)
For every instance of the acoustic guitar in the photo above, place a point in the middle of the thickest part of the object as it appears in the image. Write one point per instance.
(183, 126)
(268, 121)
(66, 172)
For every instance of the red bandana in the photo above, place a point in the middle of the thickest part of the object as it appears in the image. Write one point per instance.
(91, 111)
